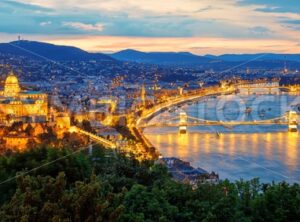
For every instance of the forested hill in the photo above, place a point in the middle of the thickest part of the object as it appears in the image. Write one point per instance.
(110, 187)
(41, 50)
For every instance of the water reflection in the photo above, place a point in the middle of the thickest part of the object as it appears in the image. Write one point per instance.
(270, 156)
(265, 151)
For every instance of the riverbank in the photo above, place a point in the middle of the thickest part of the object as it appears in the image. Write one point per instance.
(182, 171)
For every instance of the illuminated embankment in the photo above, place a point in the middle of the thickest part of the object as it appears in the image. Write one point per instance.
(149, 113)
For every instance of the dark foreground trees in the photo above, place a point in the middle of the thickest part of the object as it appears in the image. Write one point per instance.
(50, 199)
(110, 187)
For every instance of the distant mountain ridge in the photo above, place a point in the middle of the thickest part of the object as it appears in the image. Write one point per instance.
(40, 50)
(257, 56)
(160, 58)
(168, 58)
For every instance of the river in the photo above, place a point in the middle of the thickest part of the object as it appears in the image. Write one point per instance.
(268, 152)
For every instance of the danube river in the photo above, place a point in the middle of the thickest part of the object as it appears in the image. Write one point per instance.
(265, 151)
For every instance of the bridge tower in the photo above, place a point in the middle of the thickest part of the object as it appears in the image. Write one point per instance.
(294, 88)
(182, 122)
(292, 121)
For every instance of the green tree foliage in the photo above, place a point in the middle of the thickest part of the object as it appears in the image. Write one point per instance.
(107, 186)
(49, 199)
(145, 204)
(76, 166)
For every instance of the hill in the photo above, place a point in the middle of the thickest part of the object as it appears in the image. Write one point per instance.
(160, 58)
(40, 50)
(262, 60)
(257, 57)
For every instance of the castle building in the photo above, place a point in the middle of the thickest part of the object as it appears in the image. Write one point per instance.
(16, 141)
(21, 105)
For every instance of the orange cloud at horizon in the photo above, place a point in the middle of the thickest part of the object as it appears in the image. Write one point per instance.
(197, 45)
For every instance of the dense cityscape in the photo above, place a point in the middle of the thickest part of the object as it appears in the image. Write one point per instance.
(78, 104)
(135, 117)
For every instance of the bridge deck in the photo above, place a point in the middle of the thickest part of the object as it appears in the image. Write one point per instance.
(104, 142)
(212, 124)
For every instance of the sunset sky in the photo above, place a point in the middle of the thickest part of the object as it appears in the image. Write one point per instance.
(198, 26)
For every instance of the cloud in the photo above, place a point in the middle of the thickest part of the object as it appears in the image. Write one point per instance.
(286, 6)
(294, 22)
(198, 45)
(25, 6)
(219, 19)
(260, 30)
(209, 7)
(85, 27)
(187, 18)
(45, 23)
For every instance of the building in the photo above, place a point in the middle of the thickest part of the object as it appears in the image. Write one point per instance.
(16, 141)
(63, 121)
(21, 105)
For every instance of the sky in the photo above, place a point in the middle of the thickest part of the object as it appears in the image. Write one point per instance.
(197, 26)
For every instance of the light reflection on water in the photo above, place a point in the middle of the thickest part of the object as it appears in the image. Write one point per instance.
(268, 152)
(270, 156)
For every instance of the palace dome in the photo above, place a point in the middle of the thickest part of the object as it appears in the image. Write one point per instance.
(11, 79)
(11, 87)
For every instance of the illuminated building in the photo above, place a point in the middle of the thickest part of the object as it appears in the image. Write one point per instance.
(63, 121)
(16, 141)
(21, 105)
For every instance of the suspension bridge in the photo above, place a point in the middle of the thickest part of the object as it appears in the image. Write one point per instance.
(182, 121)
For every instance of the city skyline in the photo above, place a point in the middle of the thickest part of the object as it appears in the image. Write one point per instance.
(139, 110)
(201, 27)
